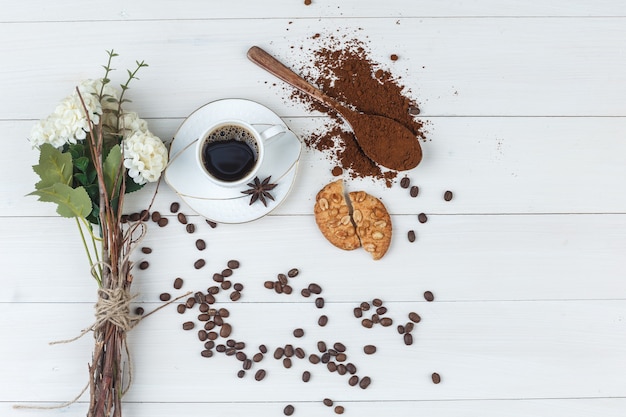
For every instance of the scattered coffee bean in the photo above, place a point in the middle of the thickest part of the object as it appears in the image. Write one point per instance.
(282, 279)
(436, 378)
(206, 353)
(351, 368)
(230, 351)
(298, 332)
(314, 289)
(339, 347)
(227, 272)
(447, 195)
(144, 215)
(353, 380)
(405, 182)
(375, 318)
(428, 296)
(293, 272)
(226, 284)
(422, 217)
(230, 343)
(134, 217)
(225, 330)
(328, 402)
(365, 382)
(325, 358)
(238, 286)
(339, 409)
(367, 323)
(332, 366)
(365, 306)
(408, 339)
(241, 356)
(414, 111)
(178, 283)
(165, 296)
(219, 321)
(188, 325)
(411, 236)
(174, 207)
(305, 292)
(182, 218)
(241, 373)
(209, 345)
(299, 352)
(190, 228)
(269, 285)
(200, 244)
(278, 288)
(414, 191)
(381, 310)
(263, 349)
(289, 350)
(386, 321)
(369, 349)
(181, 308)
(341, 357)
(358, 313)
(220, 348)
(322, 321)
(258, 357)
(287, 289)
(144, 265)
(191, 301)
(260, 374)
(377, 302)
(288, 410)
(314, 359)
(393, 57)
(233, 264)
(401, 329)
(279, 352)
(306, 376)
(163, 221)
(156, 216)
(319, 302)
(199, 263)
(287, 363)
(146, 250)
(139, 311)
(124, 218)
(202, 335)
(235, 295)
(321, 346)
(204, 317)
(414, 317)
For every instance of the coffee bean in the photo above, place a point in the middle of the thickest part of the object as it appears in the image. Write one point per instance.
(332, 352)
(206, 353)
(188, 325)
(405, 182)
(339, 409)
(209, 325)
(209, 345)
(369, 349)
(299, 352)
(414, 317)
(200, 244)
(258, 357)
(227, 272)
(375, 318)
(278, 288)
(321, 346)
(190, 228)
(353, 380)
(269, 285)
(287, 363)
(263, 349)
(322, 321)
(163, 221)
(139, 311)
(279, 353)
(422, 217)
(199, 297)
(230, 351)
(282, 279)
(351, 368)
(339, 347)
(156, 216)
(414, 191)
(144, 265)
(436, 378)
(165, 296)
(408, 339)
(293, 272)
(235, 295)
(287, 289)
(181, 308)
(191, 301)
(288, 410)
(174, 207)
(298, 332)
(289, 351)
(241, 356)
(367, 323)
(331, 366)
(146, 250)
(241, 373)
(365, 382)
(319, 302)
(411, 235)
(328, 402)
(182, 218)
(314, 359)
(314, 289)
(230, 343)
(381, 310)
(238, 286)
(204, 317)
(134, 217)
(358, 313)
(233, 264)
(214, 289)
(178, 283)
(341, 368)
(220, 348)
(306, 376)
(260, 374)
(225, 330)
(226, 284)
(386, 321)
(202, 335)
(428, 296)
(447, 195)
(325, 357)
(240, 345)
(401, 329)
(144, 215)
(414, 111)
(341, 357)
(199, 263)
(219, 321)
(218, 277)
(305, 292)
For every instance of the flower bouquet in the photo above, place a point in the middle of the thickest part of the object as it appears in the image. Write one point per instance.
(92, 153)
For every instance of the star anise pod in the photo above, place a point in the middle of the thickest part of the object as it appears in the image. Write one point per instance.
(260, 190)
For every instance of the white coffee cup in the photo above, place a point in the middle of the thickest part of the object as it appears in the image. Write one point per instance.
(230, 152)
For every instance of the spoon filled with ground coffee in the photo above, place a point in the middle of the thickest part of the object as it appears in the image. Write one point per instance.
(383, 140)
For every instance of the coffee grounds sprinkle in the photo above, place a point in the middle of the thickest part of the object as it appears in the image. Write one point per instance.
(342, 69)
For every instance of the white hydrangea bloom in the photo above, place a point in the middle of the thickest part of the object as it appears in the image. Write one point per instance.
(145, 156)
(131, 123)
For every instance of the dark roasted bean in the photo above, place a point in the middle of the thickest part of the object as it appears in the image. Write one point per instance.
(223, 312)
(351, 368)
(165, 296)
(405, 182)
(225, 330)
(209, 344)
(202, 335)
(293, 272)
(411, 235)
(144, 215)
(369, 349)
(163, 221)
(381, 310)
(314, 289)
(207, 353)
(325, 357)
(190, 228)
(260, 374)
(414, 191)
(200, 244)
(358, 313)
(182, 218)
(235, 295)
(191, 301)
(220, 348)
(230, 343)
(174, 207)
(241, 373)
(139, 311)
(436, 378)
(209, 325)
(353, 380)
(188, 325)
(226, 284)
(408, 328)
(408, 339)
(322, 321)
(278, 288)
(212, 224)
(365, 306)
(422, 217)
(428, 296)
(181, 308)
(414, 317)
(375, 318)
(306, 376)
(367, 323)
(146, 250)
(282, 278)
(299, 352)
(328, 402)
(144, 265)
(287, 289)
(178, 283)
(298, 332)
(447, 195)
(331, 366)
(339, 347)
(319, 302)
(241, 356)
(240, 345)
(386, 321)
(218, 277)
(247, 364)
(269, 285)
(288, 410)
(365, 382)
(156, 216)
(199, 263)
(204, 317)
(287, 363)
(401, 329)
(233, 264)
(341, 368)
(227, 272)
(289, 351)
(341, 357)
(230, 351)
(313, 358)
(258, 357)
(218, 321)
(279, 352)
(262, 349)
(305, 292)
(339, 409)
(377, 302)
(321, 346)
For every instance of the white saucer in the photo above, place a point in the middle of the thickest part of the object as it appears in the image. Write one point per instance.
(228, 204)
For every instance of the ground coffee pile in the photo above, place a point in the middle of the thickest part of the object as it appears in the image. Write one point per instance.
(343, 70)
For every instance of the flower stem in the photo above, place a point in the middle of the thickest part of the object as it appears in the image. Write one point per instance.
(91, 263)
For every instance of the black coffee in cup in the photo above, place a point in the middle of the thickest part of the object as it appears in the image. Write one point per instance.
(229, 152)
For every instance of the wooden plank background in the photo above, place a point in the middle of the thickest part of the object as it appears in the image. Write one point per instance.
(526, 115)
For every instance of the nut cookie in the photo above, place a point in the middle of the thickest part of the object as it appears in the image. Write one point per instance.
(332, 216)
(373, 223)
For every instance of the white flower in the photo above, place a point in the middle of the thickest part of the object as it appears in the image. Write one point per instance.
(131, 123)
(145, 156)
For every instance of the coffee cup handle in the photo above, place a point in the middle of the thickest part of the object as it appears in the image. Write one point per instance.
(271, 133)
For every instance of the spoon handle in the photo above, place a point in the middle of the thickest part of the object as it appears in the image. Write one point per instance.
(275, 67)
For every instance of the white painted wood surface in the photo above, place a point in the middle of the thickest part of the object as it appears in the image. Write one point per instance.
(526, 105)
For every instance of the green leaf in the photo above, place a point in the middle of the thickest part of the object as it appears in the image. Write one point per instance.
(54, 167)
(131, 185)
(72, 202)
(82, 178)
(112, 166)
(82, 163)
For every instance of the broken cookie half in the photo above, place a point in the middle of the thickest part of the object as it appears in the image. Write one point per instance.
(361, 222)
